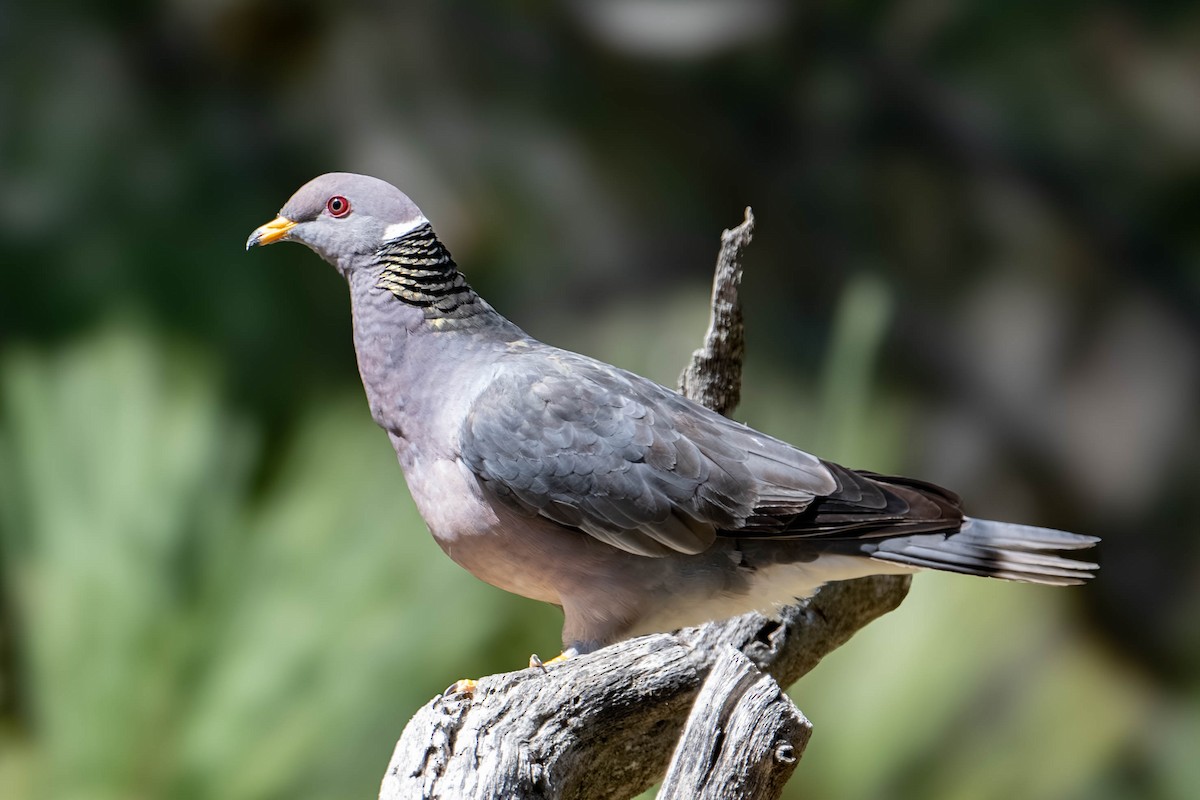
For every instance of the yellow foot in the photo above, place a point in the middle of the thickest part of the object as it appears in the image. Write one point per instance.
(464, 686)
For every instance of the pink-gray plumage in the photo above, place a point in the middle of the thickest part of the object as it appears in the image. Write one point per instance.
(568, 480)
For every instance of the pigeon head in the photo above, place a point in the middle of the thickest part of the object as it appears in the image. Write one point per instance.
(342, 217)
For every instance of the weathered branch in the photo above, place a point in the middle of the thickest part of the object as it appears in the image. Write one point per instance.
(604, 725)
(743, 737)
(714, 376)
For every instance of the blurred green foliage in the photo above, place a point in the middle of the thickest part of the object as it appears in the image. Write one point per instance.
(178, 635)
(976, 262)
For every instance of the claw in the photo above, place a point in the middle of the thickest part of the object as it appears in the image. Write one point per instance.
(536, 663)
(463, 686)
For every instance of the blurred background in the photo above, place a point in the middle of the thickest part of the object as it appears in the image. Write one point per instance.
(977, 262)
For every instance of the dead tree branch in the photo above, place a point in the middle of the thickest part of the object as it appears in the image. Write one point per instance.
(743, 737)
(714, 376)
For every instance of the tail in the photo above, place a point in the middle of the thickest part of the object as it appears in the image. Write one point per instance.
(994, 550)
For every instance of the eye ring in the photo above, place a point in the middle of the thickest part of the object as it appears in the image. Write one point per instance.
(337, 206)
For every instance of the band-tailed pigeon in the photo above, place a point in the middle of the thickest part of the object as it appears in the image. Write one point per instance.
(568, 480)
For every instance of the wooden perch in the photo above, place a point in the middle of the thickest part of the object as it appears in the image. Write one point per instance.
(714, 376)
(605, 725)
(743, 737)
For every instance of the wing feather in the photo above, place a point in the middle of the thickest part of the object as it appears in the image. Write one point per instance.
(624, 459)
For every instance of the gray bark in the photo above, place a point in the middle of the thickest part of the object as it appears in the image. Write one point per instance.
(604, 725)
(742, 739)
(714, 376)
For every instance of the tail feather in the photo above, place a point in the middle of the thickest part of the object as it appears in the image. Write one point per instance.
(993, 549)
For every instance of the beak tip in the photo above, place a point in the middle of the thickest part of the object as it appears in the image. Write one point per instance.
(273, 231)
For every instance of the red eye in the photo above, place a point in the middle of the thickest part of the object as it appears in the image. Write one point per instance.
(338, 206)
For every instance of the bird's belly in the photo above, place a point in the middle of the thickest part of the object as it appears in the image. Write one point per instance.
(496, 545)
(510, 566)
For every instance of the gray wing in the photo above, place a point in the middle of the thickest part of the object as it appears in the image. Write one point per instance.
(625, 460)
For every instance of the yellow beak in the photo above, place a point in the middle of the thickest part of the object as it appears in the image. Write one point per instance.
(270, 233)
